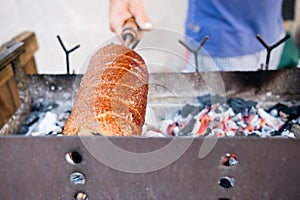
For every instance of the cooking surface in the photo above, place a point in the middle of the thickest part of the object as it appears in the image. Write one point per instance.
(266, 169)
(53, 95)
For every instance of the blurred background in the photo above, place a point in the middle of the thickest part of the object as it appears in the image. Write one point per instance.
(86, 23)
(77, 22)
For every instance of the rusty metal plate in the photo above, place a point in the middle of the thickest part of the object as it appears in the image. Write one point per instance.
(265, 87)
(249, 85)
(36, 168)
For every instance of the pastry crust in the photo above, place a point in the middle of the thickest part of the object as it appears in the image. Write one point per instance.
(112, 96)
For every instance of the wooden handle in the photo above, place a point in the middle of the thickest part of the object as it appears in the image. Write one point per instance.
(130, 30)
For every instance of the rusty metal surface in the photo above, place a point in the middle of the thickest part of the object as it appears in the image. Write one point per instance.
(35, 168)
(284, 84)
(54, 87)
(165, 94)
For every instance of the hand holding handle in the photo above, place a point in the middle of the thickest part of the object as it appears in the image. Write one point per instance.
(130, 31)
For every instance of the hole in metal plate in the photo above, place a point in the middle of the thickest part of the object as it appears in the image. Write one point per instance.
(226, 182)
(81, 196)
(229, 160)
(77, 178)
(73, 157)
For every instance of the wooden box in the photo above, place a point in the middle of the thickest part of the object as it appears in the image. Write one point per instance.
(9, 97)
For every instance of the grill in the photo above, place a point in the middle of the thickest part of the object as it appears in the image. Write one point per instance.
(185, 168)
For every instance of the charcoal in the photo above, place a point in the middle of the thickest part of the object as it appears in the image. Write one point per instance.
(218, 132)
(254, 134)
(255, 122)
(266, 130)
(187, 130)
(240, 105)
(252, 110)
(261, 134)
(242, 124)
(206, 100)
(230, 134)
(287, 133)
(47, 125)
(275, 133)
(278, 107)
(24, 130)
(50, 133)
(54, 132)
(240, 134)
(33, 118)
(63, 117)
(273, 122)
(237, 117)
(37, 106)
(290, 127)
(208, 132)
(273, 112)
(175, 130)
(285, 126)
(213, 123)
(222, 120)
(164, 126)
(43, 107)
(285, 111)
(296, 121)
(190, 110)
(179, 119)
(295, 112)
(210, 117)
(51, 106)
(295, 128)
(60, 124)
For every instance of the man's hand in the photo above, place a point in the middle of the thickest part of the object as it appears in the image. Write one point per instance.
(121, 10)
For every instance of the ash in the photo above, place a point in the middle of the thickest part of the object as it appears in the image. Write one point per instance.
(46, 118)
(234, 118)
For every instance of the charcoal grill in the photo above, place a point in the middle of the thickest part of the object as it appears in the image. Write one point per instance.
(37, 168)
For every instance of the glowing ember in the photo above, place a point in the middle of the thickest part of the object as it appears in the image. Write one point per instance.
(234, 119)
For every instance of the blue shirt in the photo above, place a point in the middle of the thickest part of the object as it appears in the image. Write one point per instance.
(232, 25)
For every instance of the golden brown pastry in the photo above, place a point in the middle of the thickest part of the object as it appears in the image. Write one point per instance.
(112, 96)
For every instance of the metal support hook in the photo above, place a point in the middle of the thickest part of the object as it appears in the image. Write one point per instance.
(270, 48)
(67, 53)
(195, 51)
